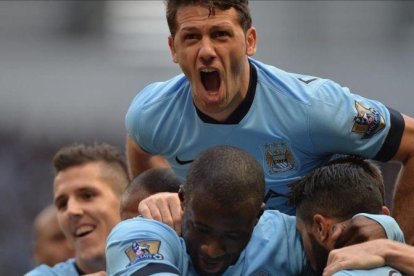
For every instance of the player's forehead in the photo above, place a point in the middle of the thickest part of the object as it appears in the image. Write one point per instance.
(225, 217)
(199, 17)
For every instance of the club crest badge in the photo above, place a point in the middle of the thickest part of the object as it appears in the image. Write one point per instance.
(278, 157)
(367, 121)
(144, 250)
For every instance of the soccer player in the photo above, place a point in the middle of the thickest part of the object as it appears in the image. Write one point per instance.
(50, 244)
(291, 123)
(88, 185)
(225, 230)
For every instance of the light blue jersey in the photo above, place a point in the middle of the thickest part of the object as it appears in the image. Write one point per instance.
(380, 271)
(290, 123)
(275, 248)
(66, 268)
(142, 246)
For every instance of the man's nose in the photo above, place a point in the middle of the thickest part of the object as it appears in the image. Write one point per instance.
(207, 51)
(213, 249)
(74, 207)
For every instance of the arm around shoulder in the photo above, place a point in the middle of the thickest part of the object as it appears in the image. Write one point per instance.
(375, 253)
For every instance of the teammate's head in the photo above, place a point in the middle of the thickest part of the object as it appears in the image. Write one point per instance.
(241, 6)
(88, 185)
(222, 200)
(211, 41)
(332, 194)
(50, 244)
(149, 182)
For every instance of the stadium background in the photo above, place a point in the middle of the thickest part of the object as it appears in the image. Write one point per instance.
(69, 69)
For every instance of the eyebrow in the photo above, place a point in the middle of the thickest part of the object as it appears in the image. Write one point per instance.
(59, 198)
(223, 25)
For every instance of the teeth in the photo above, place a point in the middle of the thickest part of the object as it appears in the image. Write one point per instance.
(83, 230)
(208, 70)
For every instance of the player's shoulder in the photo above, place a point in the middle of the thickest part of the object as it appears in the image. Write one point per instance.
(130, 228)
(161, 91)
(273, 220)
(379, 271)
(290, 84)
(63, 268)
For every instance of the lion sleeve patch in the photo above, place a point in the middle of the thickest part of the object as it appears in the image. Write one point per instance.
(144, 250)
(367, 121)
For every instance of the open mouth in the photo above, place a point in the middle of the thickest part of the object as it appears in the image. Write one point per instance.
(210, 79)
(83, 231)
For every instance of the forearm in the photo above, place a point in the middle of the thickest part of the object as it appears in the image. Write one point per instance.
(139, 160)
(403, 205)
(399, 256)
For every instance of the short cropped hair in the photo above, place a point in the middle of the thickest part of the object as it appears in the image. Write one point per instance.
(341, 189)
(155, 180)
(147, 183)
(226, 175)
(241, 6)
(115, 168)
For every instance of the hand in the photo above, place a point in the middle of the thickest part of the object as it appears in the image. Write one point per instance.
(164, 207)
(99, 273)
(360, 256)
(357, 230)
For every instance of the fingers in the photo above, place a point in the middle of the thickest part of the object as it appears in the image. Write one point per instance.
(176, 213)
(332, 268)
(164, 207)
(100, 273)
(332, 265)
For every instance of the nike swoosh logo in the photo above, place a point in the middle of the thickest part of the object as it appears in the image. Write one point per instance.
(182, 162)
(307, 81)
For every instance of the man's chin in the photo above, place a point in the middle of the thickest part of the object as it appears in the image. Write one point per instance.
(211, 269)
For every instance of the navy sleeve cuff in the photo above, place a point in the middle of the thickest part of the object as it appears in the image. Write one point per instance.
(153, 268)
(393, 140)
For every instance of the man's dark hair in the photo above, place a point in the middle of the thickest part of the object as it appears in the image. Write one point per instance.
(226, 175)
(341, 189)
(241, 6)
(154, 181)
(81, 154)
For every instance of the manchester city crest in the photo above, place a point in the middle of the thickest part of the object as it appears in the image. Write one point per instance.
(278, 157)
(367, 121)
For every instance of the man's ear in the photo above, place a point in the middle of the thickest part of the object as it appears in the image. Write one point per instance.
(386, 211)
(251, 39)
(172, 49)
(181, 196)
(321, 227)
(262, 209)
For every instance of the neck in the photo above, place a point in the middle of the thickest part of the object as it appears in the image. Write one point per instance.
(90, 266)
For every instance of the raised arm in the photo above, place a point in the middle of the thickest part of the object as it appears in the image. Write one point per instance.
(139, 160)
(403, 204)
(375, 253)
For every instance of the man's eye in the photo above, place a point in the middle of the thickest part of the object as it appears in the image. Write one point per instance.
(220, 34)
(234, 237)
(61, 204)
(201, 230)
(88, 195)
(190, 36)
